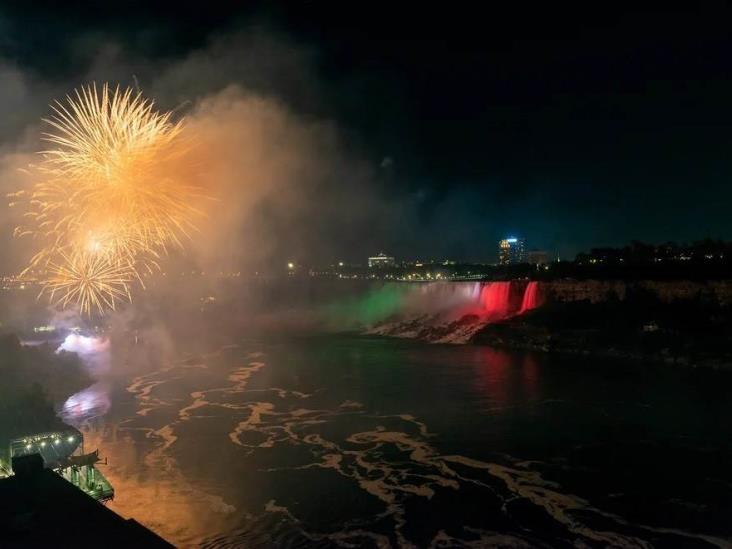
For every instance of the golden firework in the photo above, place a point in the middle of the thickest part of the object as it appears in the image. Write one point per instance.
(113, 173)
(89, 281)
(112, 193)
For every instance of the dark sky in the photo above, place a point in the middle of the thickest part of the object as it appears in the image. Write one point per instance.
(572, 126)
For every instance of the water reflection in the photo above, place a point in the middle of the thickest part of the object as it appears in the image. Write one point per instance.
(507, 379)
(94, 401)
(151, 488)
(530, 377)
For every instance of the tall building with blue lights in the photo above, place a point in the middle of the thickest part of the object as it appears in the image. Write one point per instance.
(511, 250)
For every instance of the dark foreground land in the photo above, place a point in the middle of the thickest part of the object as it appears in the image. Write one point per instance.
(38, 508)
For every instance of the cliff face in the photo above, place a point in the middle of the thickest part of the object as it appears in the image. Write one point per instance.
(683, 322)
(597, 291)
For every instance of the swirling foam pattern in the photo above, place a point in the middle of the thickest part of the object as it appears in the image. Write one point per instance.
(245, 449)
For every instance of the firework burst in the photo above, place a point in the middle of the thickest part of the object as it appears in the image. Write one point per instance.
(89, 281)
(111, 195)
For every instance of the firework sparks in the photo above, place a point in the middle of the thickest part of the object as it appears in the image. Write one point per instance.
(89, 281)
(107, 202)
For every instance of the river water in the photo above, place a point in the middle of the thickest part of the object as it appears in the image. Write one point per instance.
(355, 441)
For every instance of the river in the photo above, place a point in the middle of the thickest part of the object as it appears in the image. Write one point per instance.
(364, 441)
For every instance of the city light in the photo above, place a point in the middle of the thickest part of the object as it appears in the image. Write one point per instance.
(511, 251)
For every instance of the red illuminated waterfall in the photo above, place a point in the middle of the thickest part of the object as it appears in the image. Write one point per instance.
(495, 298)
(532, 299)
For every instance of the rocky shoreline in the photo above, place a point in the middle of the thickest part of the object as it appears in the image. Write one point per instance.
(580, 343)
(642, 323)
(692, 334)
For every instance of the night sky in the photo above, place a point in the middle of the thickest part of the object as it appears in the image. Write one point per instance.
(573, 127)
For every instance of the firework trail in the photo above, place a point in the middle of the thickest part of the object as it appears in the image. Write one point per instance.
(107, 203)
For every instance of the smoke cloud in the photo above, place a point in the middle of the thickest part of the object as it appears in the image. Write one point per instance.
(284, 181)
(285, 184)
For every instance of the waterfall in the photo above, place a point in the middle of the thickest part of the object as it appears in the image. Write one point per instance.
(532, 298)
(430, 305)
(495, 299)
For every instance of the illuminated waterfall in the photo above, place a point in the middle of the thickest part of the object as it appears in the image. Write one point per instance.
(532, 298)
(424, 305)
(495, 299)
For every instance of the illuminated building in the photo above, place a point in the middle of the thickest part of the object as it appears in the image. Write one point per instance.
(381, 260)
(537, 257)
(511, 251)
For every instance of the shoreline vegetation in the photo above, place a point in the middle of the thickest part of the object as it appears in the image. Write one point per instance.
(34, 379)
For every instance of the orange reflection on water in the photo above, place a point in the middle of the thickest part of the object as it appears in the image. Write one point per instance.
(150, 488)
